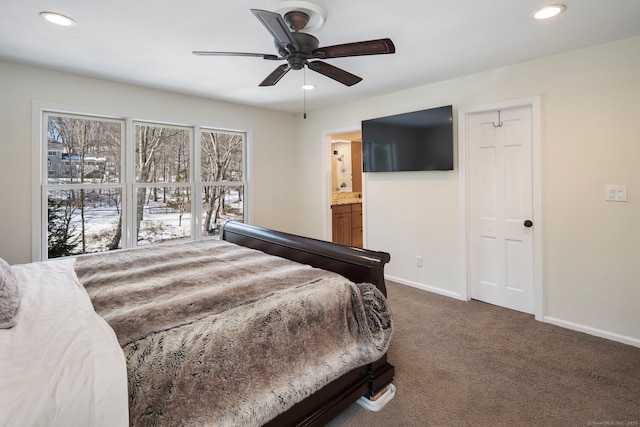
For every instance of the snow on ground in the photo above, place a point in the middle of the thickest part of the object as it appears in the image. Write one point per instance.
(160, 223)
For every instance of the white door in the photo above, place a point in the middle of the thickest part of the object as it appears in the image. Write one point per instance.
(501, 208)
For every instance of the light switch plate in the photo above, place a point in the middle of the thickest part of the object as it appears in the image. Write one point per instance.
(615, 193)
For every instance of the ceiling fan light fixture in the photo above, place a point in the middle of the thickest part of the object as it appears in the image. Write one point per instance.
(58, 19)
(549, 11)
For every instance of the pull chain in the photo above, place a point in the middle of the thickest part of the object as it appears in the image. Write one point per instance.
(304, 92)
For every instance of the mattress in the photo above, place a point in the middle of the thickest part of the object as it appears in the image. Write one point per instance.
(61, 365)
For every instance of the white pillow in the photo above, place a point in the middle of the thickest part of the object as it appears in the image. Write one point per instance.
(9, 295)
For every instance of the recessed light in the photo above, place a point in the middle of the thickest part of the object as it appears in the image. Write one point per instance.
(308, 87)
(549, 11)
(58, 19)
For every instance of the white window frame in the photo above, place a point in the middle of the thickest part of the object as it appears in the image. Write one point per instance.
(127, 184)
(133, 185)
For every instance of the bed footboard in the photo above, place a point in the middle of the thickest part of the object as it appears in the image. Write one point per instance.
(357, 265)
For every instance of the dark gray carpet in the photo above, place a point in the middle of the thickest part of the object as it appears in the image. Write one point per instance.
(473, 364)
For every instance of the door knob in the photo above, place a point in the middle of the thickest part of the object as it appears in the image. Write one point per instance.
(528, 223)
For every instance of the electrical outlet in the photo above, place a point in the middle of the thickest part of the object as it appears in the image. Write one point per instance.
(418, 261)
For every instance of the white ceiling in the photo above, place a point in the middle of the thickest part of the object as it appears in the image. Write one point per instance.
(149, 42)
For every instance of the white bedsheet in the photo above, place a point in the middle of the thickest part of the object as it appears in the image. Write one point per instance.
(61, 365)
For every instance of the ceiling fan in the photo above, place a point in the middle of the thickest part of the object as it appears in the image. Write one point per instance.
(299, 48)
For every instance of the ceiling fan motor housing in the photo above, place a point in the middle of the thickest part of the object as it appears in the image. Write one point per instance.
(298, 58)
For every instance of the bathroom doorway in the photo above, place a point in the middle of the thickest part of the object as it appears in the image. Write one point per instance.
(346, 188)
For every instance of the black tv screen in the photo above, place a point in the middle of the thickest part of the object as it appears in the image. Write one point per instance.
(416, 141)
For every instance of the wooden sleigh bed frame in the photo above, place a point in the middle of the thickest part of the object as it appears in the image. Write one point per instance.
(357, 265)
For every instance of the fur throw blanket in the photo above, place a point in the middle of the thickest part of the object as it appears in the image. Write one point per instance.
(219, 334)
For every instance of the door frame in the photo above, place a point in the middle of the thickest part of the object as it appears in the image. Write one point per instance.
(463, 194)
(326, 182)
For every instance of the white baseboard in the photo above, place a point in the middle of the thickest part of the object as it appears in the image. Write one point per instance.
(433, 289)
(593, 331)
(547, 319)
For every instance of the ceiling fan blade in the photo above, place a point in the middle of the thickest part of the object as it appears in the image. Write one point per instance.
(370, 47)
(334, 73)
(259, 55)
(275, 75)
(277, 27)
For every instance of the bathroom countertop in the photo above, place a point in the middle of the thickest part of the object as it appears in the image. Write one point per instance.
(345, 198)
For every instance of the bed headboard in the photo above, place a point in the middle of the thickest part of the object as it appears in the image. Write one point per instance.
(357, 265)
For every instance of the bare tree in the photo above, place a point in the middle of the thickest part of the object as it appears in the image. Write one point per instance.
(162, 157)
(221, 161)
(90, 152)
(88, 147)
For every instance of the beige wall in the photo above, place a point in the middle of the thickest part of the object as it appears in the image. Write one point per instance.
(590, 137)
(272, 180)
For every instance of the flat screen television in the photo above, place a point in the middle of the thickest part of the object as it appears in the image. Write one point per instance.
(416, 141)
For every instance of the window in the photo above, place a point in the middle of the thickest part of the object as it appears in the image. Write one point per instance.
(163, 184)
(222, 177)
(83, 189)
(104, 189)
